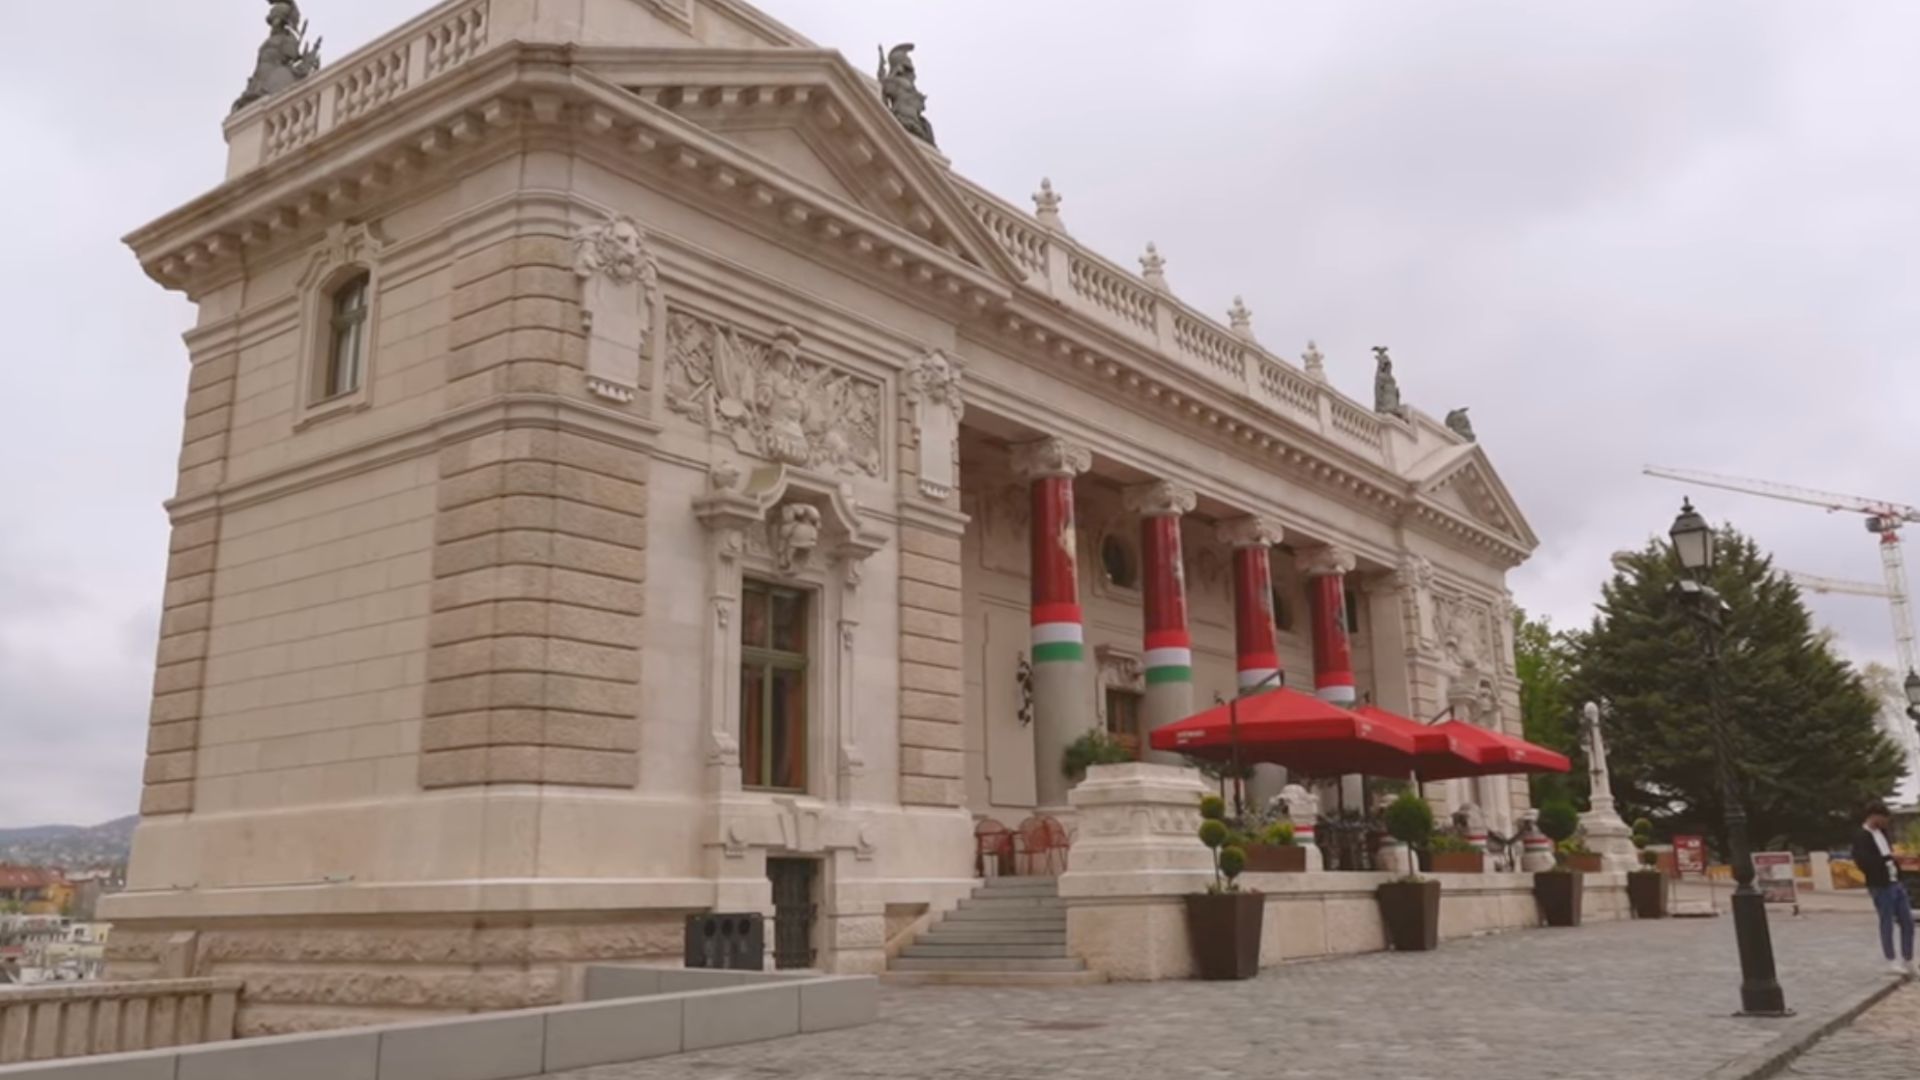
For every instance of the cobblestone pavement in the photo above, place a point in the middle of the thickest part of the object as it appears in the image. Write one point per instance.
(1618, 1001)
(1884, 1042)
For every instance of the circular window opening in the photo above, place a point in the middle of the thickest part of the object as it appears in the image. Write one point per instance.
(1117, 559)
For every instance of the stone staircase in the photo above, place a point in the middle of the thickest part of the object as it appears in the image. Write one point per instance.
(1011, 932)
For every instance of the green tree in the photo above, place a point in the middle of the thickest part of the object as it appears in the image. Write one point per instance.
(1800, 720)
(1543, 659)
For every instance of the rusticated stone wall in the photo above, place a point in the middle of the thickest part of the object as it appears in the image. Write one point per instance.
(932, 766)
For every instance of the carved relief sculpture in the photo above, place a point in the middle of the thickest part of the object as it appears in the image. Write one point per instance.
(620, 290)
(932, 388)
(900, 89)
(796, 532)
(285, 57)
(1458, 423)
(770, 400)
(1386, 388)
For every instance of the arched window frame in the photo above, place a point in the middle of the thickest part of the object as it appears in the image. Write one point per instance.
(350, 254)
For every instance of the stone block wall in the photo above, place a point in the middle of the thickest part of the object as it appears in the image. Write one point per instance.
(932, 761)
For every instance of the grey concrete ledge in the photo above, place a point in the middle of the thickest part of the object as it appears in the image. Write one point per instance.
(632, 1014)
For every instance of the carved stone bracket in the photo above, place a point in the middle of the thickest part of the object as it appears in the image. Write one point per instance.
(1120, 669)
(931, 386)
(1161, 498)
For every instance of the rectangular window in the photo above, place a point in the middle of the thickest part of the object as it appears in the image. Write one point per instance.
(1123, 719)
(773, 687)
(1352, 601)
(347, 339)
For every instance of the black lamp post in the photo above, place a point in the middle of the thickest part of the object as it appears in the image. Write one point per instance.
(1913, 695)
(1760, 993)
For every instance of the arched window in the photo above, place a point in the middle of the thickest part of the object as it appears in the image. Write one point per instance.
(346, 360)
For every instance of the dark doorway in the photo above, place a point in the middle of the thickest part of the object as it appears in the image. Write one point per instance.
(794, 908)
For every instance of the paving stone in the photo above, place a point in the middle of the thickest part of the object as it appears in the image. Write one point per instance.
(1617, 1001)
(1884, 1042)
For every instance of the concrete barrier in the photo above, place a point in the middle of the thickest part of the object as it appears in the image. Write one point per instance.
(74, 1019)
(632, 1014)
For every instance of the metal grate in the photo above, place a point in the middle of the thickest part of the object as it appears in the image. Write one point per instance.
(793, 911)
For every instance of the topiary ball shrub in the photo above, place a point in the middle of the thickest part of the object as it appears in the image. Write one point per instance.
(1213, 808)
(1559, 820)
(1410, 820)
(1232, 861)
(1213, 832)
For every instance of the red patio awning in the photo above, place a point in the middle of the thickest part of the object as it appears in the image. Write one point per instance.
(1439, 752)
(1299, 731)
(1499, 754)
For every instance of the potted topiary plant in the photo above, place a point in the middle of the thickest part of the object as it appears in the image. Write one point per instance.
(1224, 922)
(1454, 854)
(1647, 886)
(1095, 747)
(1581, 857)
(1561, 889)
(1410, 906)
(1273, 850)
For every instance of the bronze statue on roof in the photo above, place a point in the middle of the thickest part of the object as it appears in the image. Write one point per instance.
(285, 57)
(902, 94)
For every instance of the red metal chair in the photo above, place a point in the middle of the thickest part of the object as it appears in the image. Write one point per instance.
(993, 848)
(1044, 844)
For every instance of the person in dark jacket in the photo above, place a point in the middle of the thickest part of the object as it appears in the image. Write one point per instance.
(1873, 854)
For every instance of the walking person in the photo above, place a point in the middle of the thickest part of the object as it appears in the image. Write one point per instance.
(1874, 856)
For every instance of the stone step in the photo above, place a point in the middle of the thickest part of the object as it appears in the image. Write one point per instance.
(1019, 887)
(1025, 916)
(1009, 902)
(1037, 979)
(975, 964)
(1018, 934)
(984, 950)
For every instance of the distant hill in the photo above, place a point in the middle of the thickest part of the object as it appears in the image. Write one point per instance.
(71, 847)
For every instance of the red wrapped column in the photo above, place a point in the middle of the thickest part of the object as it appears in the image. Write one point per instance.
(1326, 570)
(1062, 710)
(1163, 583)
(1256, 645)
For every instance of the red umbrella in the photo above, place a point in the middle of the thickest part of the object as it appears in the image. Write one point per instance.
(1499, 754)
(1439, 751)
(1299, 731)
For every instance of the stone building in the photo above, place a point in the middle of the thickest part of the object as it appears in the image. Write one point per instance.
(626, 473)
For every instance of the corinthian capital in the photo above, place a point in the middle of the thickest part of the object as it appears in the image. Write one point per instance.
(1326, 562)
(1050, 457)
(1249, 532)
(1161, 498)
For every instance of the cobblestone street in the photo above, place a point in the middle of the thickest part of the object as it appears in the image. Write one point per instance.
(1883, 1042)
(1617, 1001)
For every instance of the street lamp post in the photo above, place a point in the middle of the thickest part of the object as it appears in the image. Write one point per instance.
(1760, 992)
(1913, 695)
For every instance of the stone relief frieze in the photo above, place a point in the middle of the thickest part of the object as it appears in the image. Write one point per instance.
(931, 387)
(770, 400)
(1004, 513)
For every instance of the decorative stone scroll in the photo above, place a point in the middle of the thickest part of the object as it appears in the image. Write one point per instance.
(770, 400)
(932, 388)
(620, 290)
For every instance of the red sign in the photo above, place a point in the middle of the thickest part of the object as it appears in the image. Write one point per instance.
(1690, 855)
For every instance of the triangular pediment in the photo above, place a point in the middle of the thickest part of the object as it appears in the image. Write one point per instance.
(1461, 481)
(806, 113)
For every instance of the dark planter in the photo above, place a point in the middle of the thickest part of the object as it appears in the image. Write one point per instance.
(1559, 893)
(1459, 862)
(1225, 931)
(1411, 910)
(1587, 864)
(1647, 891)
(1276, 858)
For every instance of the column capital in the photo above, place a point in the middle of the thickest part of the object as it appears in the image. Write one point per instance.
(1161, 498)
(1250, 532)
(1326, 562)
(1051, 457)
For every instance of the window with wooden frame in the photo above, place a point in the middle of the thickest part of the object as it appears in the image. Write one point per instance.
(1123, 719)
(346, 355)
(774, 654)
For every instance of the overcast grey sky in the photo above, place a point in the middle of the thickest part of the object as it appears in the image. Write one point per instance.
(1623, 233)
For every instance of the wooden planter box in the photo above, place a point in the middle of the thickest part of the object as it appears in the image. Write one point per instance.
(1587, 864)
(1411, 910)
(1225, 931)
(1560, 893)
(1459, 862)
(1647, 892)
(1276, 858)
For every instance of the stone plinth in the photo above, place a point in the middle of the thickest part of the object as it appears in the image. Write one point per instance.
(1136, 857)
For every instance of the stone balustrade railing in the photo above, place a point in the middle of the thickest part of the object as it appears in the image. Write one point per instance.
(1077, 277)
(61, 1020)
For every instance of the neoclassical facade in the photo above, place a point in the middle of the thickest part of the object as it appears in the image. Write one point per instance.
(627, 474)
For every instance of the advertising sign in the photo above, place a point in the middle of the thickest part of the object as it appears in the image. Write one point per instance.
(1690, 855)
(1773, 872)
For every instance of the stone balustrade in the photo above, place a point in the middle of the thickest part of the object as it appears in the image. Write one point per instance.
(61, 1020)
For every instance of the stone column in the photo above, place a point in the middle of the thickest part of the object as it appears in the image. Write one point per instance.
(1256, 648)
(1327, 569)
(1061, 705)
(1163, 584)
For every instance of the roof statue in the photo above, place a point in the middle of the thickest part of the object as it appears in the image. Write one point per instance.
(902, 93)
(285, 57)
(1458, 423)
(1386, 389)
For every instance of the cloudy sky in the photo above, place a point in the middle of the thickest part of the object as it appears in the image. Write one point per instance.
(1624, 233)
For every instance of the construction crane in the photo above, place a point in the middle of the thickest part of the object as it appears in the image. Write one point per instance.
(1884, 519)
